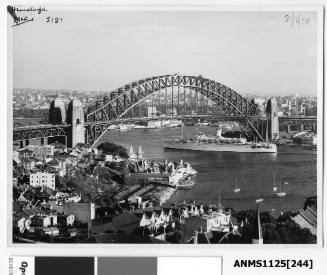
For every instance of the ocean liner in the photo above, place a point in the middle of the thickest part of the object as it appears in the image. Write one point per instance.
(220, 144)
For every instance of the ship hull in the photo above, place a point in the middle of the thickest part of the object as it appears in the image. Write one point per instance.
(239, 148)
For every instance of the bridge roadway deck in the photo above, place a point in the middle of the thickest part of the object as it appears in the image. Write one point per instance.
(300, 119)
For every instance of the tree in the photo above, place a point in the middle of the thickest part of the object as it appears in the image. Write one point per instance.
(310, 201)
(292, 233)
(113, 149)
(270, 233)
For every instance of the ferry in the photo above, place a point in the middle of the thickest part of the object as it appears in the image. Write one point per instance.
(219, 143)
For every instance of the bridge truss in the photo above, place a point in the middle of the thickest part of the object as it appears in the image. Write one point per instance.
(41, 131)
(120, 103)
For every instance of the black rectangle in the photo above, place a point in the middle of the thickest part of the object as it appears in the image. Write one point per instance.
(64, 265)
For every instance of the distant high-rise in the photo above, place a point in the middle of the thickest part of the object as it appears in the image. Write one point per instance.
(57, 111)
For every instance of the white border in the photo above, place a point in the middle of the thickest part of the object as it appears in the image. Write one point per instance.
(228, 250)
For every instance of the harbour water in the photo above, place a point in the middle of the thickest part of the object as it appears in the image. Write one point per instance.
(218, 170)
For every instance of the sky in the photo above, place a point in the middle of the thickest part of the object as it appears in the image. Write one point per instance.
(250, 52)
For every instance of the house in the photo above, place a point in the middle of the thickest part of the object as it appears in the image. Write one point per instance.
(21, 221)
(25, 153)
(22, 198)
(33, 210)
(208, 222)
(189, 209)
(44, 220)
(42, 150)
(73, 198)
(148, 218)
(46, 180)
(164, 215)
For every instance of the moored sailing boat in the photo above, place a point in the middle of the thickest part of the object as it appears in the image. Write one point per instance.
(280, 193)
(237, 189)
(274, 187)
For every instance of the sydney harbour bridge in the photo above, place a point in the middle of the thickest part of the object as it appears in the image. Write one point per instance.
(183, 97)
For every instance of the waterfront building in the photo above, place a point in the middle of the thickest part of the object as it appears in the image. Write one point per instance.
(45, 180)
(148, 178)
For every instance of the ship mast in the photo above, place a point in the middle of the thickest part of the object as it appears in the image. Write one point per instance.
(274, 180)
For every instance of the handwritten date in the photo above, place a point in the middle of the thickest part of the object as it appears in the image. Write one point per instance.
(296, 19)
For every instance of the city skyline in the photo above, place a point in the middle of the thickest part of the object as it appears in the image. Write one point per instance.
(125, 46)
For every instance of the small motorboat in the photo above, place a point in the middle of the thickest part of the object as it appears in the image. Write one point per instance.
(258, 200)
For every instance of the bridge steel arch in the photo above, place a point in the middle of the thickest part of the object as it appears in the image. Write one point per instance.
(117, 104)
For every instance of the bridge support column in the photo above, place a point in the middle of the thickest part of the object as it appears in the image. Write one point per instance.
(76, 119)
(21, 143)
(274, 120)
(302, 127)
